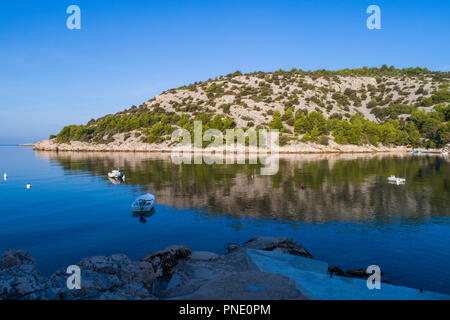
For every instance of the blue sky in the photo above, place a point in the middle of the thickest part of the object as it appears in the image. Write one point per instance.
(128, 51)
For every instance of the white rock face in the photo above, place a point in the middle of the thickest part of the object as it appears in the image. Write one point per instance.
(51, 145)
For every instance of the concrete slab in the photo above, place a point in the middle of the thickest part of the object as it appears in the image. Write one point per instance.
(270, 261)
(247, 285)
(315, 283)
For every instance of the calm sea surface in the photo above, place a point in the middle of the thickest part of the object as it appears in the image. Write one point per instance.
(348, 215)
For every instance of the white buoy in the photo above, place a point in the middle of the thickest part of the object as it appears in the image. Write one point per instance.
(5, 176)
(28, 186)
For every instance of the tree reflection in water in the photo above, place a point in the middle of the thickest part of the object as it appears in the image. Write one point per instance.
(337, 187)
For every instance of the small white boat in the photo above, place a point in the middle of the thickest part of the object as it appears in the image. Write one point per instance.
(143, 203)
(394, 179)
(115, 174)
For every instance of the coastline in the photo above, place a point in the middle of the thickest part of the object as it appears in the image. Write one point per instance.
(299, 148)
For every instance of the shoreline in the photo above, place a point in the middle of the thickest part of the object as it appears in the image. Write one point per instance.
(300, 148)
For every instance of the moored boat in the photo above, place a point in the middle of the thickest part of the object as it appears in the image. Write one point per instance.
(396, 180)
(143, 203)
(116, 174)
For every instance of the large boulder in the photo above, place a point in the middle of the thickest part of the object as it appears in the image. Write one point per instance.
(92, 285)
(19, 276)
(121, 266)
(283, 245)
(114, 277)
(163, 261)
(13, 258)
(247, 285)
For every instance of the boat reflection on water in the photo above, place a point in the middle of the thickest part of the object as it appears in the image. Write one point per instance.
(115, 181)
(144, 215)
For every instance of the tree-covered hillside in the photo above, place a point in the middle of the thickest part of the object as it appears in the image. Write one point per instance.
(374, 106)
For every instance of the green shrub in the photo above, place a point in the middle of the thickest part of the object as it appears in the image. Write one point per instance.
(324, 140)
(276, 121)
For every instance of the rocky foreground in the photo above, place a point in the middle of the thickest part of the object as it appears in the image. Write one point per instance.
(173, 273)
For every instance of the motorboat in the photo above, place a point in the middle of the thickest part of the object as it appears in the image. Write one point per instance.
(143, 203)
(396, 180)
(116, 174)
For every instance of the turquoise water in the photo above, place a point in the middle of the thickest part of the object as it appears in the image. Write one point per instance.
(347, 215)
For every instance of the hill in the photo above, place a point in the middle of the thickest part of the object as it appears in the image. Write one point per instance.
(362, 107)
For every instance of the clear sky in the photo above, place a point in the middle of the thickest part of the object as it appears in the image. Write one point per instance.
(128, 51)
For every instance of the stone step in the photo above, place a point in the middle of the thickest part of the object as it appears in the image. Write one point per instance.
(313, 280)
(270, 260)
